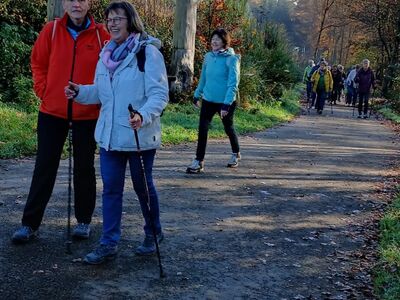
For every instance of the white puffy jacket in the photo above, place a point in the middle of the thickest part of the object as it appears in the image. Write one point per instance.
(147, 92)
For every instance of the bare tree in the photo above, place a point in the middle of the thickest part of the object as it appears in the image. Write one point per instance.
(182, 63)
(54, 9)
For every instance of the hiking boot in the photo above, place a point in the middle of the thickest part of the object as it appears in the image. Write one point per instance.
(234, 161)
(365, 116)
(81, 231)
(101, 254)
(359, 116)
(195, 167)
(24, 235)
(148, 247)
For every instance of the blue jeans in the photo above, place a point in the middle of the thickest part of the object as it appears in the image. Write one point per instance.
(113, 167)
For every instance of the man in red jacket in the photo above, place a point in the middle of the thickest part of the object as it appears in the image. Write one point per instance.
(66, 49)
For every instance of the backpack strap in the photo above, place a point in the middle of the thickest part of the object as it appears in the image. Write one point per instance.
(98, 38)
(141, 58)
(54, 29)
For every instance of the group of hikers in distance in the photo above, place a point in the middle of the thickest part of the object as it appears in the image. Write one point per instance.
(86, 76)
(324, 82)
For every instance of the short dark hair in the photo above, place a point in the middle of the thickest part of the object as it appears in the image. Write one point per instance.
(135, 23)
(223, 35)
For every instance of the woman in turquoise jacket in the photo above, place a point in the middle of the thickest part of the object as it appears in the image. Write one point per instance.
(218, 86)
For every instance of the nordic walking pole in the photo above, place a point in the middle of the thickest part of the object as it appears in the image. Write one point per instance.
(68, 243)
(331, 106)
(146, 188)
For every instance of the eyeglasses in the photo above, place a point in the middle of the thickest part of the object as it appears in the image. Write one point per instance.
(116, 20)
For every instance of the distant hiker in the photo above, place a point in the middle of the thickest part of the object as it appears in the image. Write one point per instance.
(67, 47)
(341, 86)
(352, 86)
(338, 83)
(307, 78)
(217, 87)
(313, 70)
(123, 80)
(366, 80)
(322, 85)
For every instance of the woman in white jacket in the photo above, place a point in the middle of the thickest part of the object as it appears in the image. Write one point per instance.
(120, 81)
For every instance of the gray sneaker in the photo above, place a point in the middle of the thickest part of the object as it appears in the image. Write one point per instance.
(24, 235)
(195, 167)
(148, 247)
(234, 161)
(101, 254)
(81, 231)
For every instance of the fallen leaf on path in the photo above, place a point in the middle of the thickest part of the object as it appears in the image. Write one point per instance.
(270, 244)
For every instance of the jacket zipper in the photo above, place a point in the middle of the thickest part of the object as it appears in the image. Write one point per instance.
(70, 102)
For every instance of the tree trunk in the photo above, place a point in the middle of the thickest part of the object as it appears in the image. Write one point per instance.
(182, 62)
(327, 5)
(54, 9)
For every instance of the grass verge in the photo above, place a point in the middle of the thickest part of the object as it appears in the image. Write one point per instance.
(390, 114)
(387, 272)
(17, 132)
(180, 123)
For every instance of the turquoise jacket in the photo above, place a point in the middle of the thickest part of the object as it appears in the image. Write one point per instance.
(219, 79)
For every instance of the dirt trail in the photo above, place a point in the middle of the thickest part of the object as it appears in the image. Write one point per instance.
(278, 227)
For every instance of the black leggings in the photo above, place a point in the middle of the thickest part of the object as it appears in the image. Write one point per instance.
(208, 110)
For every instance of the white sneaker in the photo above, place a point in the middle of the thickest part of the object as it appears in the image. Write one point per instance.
(195, 167)
(234, 161)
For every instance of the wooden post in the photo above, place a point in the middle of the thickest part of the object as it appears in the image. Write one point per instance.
(182, 62)
(54, 9)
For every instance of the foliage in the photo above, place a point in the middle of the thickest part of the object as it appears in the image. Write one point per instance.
(267, 67)
(15, 53)
(387, 272)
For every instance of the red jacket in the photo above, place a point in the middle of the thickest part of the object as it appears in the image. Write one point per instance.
(56, 57)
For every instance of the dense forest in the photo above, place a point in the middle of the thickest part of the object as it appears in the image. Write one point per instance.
(342, 31)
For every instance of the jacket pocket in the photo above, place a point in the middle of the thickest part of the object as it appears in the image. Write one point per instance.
(125, 134)
(99, 131)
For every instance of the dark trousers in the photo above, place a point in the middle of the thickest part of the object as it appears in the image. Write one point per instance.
(51, 134)
(321, 97)
(336, 93)
(363, 101)
(309, 90)
(208, 110)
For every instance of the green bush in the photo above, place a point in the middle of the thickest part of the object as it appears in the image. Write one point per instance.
(15, 53)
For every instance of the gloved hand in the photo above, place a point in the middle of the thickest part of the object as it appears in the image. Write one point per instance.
(224, 110)
(196, 102)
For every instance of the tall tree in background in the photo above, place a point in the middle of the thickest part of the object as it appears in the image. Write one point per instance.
(182, 62)
(323, 15)
(54, 9)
